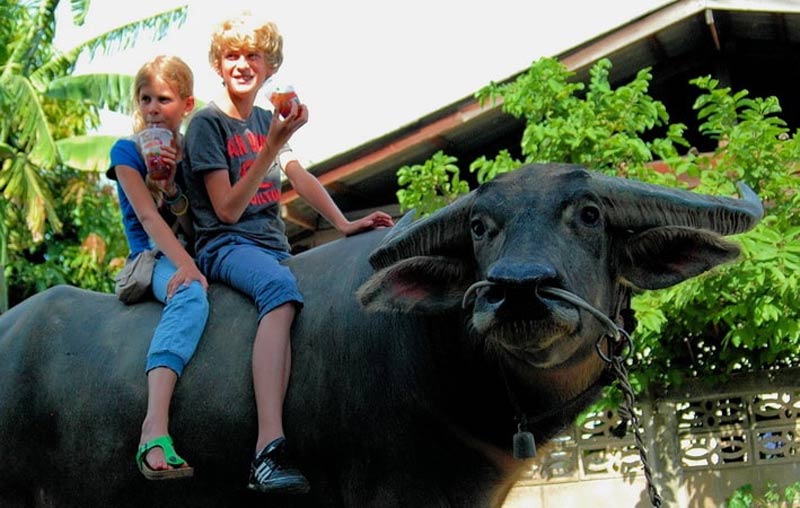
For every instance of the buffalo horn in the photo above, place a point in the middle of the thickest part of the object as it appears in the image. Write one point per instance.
(636, 206)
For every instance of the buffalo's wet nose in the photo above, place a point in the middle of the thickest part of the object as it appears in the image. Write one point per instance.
(514, 287)
(517, 274)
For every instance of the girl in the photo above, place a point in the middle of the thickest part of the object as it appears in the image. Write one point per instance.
(163, 96)
(235, 153)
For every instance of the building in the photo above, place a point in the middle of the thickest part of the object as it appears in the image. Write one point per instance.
(746, 44)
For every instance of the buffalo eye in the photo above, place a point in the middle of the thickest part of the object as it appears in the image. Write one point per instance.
(590, 215)
(477, 227)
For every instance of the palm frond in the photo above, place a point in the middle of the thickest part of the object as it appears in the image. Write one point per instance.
(3, 255)
(12, 17)
(3, 240)
(125, 36)
(115, 40)
(6, 151)
(86, 153)
(7, 168)
(26, 121)
(59, 66)
(26, 187)
(80, 8)
(109, 91)
(35, 35)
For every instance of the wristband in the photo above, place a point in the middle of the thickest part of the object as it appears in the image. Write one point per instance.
(171, 200)
(183, 210)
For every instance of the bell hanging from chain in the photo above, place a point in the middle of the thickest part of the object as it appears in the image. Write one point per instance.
(524, 445)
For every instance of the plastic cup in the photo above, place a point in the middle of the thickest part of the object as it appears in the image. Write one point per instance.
(282, 98)
(151, 140)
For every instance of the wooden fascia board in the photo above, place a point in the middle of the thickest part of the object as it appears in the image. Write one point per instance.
(428, 133)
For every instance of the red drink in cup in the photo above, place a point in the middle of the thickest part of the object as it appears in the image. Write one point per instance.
(282, 98)
(151, 140)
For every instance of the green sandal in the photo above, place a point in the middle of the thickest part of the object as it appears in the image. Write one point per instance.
(178, 466)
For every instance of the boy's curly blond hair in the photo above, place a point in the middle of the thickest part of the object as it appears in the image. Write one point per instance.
(245, 32)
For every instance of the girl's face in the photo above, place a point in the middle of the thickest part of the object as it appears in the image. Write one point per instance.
(162, 106)
(243, 71)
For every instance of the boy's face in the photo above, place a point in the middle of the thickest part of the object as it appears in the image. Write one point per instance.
(243, 71)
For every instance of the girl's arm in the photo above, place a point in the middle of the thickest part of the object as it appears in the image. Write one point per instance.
(137, 193)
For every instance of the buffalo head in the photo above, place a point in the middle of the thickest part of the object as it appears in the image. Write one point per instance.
(551, 226)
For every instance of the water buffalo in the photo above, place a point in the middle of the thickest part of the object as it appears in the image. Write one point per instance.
(416, 350)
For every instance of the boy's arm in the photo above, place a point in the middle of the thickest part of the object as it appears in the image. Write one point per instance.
(310, 189)
(230, 201)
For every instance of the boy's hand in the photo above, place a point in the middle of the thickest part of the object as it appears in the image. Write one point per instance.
(372, 221)
(282, 129)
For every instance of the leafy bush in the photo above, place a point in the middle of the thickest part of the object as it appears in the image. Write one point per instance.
(86, 251)
(744, 497)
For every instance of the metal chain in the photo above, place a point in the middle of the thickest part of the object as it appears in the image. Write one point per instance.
(619, 351)
(626, 411)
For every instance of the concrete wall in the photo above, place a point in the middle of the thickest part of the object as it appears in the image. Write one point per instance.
(702, 444)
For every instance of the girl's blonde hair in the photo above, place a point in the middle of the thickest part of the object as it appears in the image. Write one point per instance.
(245, 32)
(178, 75)
(174, 71)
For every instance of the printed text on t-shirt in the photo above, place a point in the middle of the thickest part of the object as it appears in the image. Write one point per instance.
(251, 143)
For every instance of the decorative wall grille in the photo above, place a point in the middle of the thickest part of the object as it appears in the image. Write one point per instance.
(590, 450)
(713, 432)
(751, 429)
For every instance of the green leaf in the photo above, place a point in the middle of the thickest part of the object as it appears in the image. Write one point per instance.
(80, 8)
(118, 39)
(24, 116)
(86, 153)
(110, 91)
(6, 151)
(126, 36)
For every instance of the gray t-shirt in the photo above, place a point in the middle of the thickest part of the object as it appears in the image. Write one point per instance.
(214, 141)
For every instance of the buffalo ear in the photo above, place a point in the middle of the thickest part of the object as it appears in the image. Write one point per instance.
(420, 284)
(664, 256)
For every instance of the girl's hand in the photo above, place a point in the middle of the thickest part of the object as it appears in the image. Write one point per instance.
(371, 221)
(170, 157)
(184, 276)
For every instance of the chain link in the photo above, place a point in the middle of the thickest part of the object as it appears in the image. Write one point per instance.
(626, 411)
(620, 347)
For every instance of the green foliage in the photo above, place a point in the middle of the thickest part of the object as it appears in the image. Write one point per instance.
(773, 497)
(740, 317)
(86, 252)
(86, 153)
(44, 116)
(601, 130)
(111, 91)
(430, 186)
(488, 169)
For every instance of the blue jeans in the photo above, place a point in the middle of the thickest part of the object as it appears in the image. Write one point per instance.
(182, 320)
(252, 269)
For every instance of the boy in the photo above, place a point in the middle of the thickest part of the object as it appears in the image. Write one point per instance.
(235, 152)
